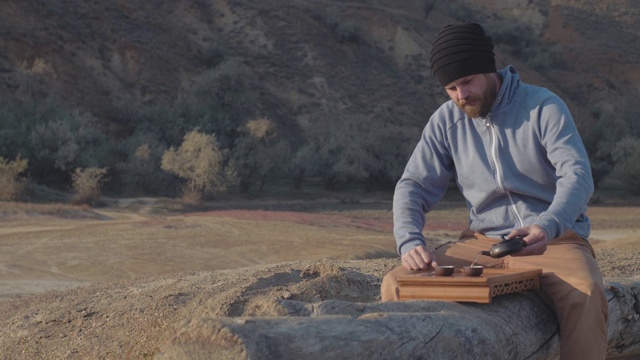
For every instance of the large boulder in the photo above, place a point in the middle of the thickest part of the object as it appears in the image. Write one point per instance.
(515, 326)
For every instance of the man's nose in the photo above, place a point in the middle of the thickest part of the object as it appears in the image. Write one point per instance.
(463, 94)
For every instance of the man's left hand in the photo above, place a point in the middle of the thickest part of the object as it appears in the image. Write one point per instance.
(535, 237)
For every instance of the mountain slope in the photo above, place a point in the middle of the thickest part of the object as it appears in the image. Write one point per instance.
(309, 64)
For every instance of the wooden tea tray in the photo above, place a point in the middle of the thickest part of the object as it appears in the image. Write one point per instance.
(459, 287)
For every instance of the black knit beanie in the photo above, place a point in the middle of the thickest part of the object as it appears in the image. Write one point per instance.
(461, 50)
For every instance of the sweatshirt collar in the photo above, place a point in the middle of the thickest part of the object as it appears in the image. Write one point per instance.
(510, 83)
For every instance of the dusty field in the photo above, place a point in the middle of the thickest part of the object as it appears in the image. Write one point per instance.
(40, 252)
(146, 267)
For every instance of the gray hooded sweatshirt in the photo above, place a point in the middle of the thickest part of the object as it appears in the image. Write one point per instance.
(523, 164)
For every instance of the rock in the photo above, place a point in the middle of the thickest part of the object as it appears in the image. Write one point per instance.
(515, 326)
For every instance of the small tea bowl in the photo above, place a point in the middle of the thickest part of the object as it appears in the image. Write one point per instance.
(444, 270)
(473, 270)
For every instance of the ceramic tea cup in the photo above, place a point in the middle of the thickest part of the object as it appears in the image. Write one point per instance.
(444, 270)
(475, 270)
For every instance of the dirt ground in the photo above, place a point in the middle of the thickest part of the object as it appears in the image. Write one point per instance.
(109, 283)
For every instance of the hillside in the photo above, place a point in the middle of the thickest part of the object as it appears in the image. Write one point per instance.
(305, 65)
(96, 55)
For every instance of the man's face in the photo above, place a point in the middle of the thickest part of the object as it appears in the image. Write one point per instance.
(474, 94)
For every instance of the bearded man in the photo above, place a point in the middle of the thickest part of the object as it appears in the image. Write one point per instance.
(517, 158)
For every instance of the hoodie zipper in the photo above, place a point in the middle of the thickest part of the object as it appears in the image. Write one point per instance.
(498, 169)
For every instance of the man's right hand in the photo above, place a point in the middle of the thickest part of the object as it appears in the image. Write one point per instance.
(419, 258)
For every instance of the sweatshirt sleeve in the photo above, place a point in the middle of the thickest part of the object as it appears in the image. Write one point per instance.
(566, 152)
(422, 185)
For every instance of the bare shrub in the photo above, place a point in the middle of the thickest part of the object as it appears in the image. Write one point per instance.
(201, 163)
(69, 140)
(65, 141)
(352, 149)
(219, 101)
(140, 172)
(86, 185)
(258, 151)
(10, 184)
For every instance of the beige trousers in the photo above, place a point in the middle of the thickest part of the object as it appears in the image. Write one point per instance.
(571, 284)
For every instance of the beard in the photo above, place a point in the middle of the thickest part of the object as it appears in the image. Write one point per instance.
(482, 103)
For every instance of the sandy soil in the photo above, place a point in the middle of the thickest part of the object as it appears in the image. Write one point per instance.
(143, 272)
